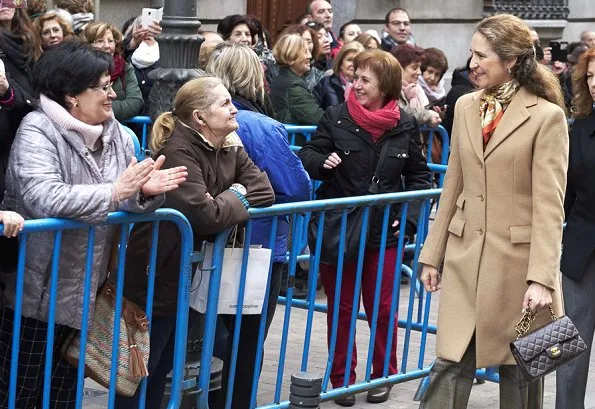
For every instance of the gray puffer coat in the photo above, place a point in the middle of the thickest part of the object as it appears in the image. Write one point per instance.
(52, 174)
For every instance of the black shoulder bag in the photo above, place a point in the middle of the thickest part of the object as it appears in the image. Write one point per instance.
(329, 252)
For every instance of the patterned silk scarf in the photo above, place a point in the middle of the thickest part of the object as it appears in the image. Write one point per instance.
(492, 106)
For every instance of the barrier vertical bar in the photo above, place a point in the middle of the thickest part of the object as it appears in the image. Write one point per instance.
(80, 385)
(296, 226)
(204, 375)
(181, 332)
(118, 313)
(356, 294)
(150, 294)
(16, 331)
(49, 351)
(314, 270)
(377, 291)
(238, 317)
(263, 316)
(396, 293)
(411, 307)
(336, 304)
(428, 298)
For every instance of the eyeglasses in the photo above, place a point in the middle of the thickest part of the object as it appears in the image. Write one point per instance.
(105, 88)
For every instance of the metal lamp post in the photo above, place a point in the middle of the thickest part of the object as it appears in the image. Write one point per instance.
(179, 44)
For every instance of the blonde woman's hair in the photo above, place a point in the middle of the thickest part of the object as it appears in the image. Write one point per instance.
(289, 48)
(96, 30)
(350, 47)
(194, 95)
(239, 69)
(510, 38)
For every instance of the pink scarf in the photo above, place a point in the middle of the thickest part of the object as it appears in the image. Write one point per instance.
(376, 123)
(417, 97)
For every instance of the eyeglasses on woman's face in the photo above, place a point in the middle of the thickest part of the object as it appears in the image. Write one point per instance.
(105, 88)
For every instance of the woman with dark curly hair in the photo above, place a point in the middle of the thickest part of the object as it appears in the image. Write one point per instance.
(20, 48)
(578, 256)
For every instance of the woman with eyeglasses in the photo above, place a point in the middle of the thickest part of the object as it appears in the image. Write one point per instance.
(70, 159)
(129, 100)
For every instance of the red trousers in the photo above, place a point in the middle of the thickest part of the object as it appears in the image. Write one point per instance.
(368, 288)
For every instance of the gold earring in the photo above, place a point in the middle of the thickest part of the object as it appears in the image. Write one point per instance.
(76, 104)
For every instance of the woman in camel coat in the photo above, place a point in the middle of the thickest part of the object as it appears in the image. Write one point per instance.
(499, 225)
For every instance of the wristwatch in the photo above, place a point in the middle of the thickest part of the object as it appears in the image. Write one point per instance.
(240, 188)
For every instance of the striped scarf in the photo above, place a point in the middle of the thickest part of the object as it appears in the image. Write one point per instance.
(492, 106)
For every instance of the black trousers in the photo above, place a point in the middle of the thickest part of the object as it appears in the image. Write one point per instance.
(248, 345)
(31, 365)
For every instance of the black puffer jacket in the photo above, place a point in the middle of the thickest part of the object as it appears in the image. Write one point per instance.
(18, 66)
(404, 169)
(329, 91)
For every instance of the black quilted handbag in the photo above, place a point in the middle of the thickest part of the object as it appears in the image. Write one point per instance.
(547, 348)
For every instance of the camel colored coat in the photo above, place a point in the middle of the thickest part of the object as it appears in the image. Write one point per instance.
(499, 224)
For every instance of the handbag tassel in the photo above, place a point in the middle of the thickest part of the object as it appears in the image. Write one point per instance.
(137, 363)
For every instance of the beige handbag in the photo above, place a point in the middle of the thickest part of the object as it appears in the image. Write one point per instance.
(133, 343)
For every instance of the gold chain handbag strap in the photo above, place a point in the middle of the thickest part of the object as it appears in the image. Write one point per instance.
(524, 325)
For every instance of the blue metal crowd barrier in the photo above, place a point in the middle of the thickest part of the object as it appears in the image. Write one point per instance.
(444, 139)
(145, 122)
(414, 322)
(58, 227)
(305, 130)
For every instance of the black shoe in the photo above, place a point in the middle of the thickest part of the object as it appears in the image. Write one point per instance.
(379, 394)
(347, 401)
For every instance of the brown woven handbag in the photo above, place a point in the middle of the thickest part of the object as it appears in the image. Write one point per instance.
(547, 348)
(133, 343)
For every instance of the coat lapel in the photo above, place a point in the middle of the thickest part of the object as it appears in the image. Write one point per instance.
(516, 114)
(473, 122)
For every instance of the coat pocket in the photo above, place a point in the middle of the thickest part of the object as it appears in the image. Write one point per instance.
(520, 234)
(346, 147)
(456, 226)
(397, 152)
(461, 202)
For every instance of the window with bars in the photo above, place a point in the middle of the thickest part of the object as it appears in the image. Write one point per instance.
(528, 9)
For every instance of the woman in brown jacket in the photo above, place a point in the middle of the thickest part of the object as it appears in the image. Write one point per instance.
(222, 183)
(499, 225)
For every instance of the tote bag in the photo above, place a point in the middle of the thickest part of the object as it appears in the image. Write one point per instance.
(257, 274)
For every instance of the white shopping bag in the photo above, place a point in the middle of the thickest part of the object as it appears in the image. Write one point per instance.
(257, 274)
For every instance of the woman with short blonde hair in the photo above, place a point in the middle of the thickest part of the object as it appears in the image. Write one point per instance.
(240, 72)
(293, 102)
(332, 90)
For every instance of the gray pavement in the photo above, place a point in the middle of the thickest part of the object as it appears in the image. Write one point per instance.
(483, 396)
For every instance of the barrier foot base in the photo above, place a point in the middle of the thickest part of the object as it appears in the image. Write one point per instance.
(421, 389)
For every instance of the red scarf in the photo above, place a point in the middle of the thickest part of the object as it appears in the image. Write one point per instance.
(376, 123)
(119, 71)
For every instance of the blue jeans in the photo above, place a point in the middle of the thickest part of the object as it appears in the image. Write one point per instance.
(161, 362)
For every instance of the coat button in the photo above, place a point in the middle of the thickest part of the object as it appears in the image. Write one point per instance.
(482, 198)
(480, 231)
(338, 122)
(356, 129)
